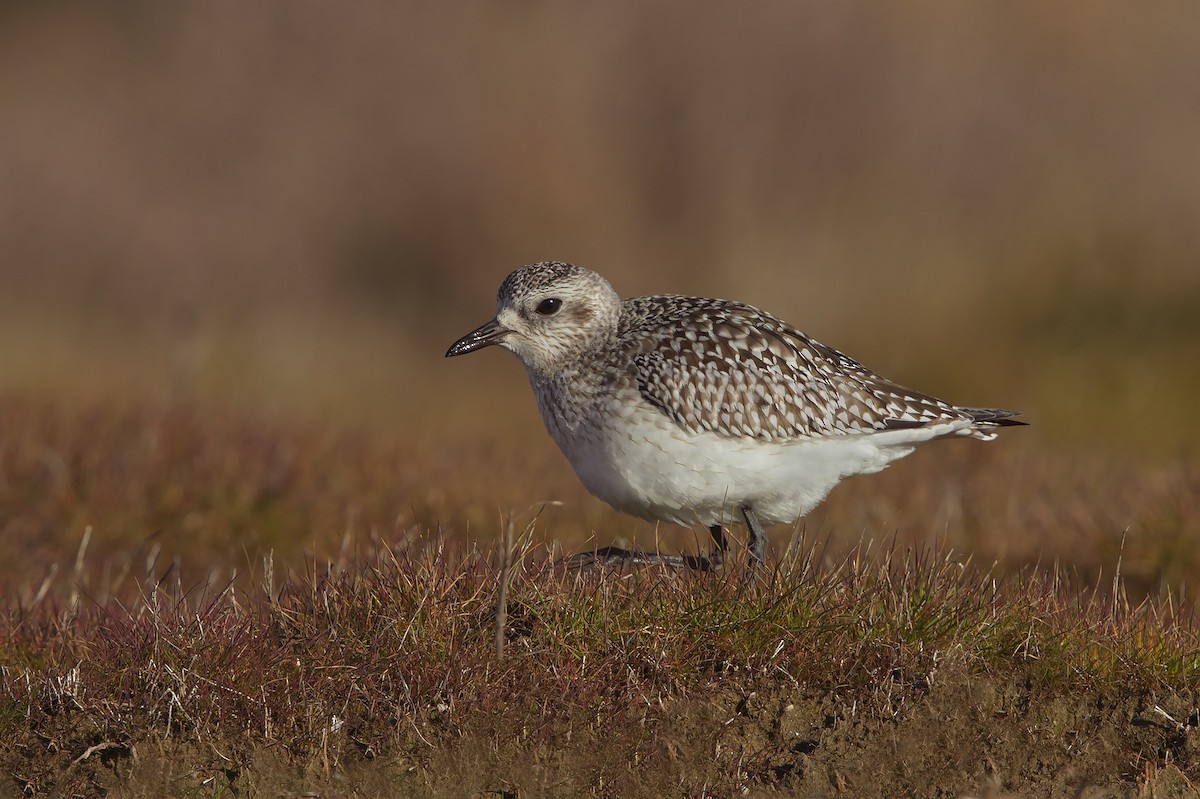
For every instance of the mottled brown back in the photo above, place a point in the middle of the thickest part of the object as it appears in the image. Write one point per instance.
(728, 368)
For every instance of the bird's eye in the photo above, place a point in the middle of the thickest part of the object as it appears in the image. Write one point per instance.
(549, 307)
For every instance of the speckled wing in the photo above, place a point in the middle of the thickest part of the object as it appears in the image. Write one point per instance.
(728, 368)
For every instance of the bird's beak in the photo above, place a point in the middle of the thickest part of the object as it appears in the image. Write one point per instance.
(482, 336)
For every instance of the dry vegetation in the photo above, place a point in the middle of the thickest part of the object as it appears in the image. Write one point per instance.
(250, 612)
(249, 518)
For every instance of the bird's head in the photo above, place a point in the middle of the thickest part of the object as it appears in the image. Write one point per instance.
(547, 314)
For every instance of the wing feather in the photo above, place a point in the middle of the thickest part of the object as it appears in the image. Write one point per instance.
(731, 369)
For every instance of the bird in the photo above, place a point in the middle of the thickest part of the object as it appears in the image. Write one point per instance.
(692, 410)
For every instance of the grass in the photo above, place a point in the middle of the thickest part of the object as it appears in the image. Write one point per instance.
(393, 653)
(218, 655)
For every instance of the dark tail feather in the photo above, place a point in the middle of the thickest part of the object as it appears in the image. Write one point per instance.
(995, 417)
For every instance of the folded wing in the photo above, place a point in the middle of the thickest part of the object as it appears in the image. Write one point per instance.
(731, 369)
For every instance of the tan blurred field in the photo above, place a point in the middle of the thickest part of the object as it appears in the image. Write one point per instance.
(236, 239)
(285, 214)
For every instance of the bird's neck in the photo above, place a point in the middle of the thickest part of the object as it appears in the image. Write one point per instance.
(567, 398)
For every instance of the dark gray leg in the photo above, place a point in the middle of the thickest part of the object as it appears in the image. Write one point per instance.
(616, 556)
(758, 540)
(717, 557)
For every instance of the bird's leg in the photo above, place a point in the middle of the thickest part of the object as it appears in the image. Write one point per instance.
(717, 557)
(617, 556)
(758, 539)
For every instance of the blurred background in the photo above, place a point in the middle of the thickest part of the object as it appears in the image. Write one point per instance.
(285, 212)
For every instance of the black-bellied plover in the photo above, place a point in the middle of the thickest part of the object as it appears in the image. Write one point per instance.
(687, 409)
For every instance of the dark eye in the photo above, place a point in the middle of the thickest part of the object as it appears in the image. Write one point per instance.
(549, 307)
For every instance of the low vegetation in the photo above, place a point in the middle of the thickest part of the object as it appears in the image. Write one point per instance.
(425, 662)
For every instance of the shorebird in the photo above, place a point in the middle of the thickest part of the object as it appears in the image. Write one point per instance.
(688, 410)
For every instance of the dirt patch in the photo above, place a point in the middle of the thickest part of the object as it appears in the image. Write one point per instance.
(955, 735)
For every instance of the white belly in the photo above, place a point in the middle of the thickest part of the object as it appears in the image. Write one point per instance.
(641, 463)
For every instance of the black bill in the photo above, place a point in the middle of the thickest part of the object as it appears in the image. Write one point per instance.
(483, 336)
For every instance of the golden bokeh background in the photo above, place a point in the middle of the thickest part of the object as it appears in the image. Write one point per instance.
(287, 211)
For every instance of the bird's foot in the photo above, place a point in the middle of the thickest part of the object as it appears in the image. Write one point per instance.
(613, 557)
